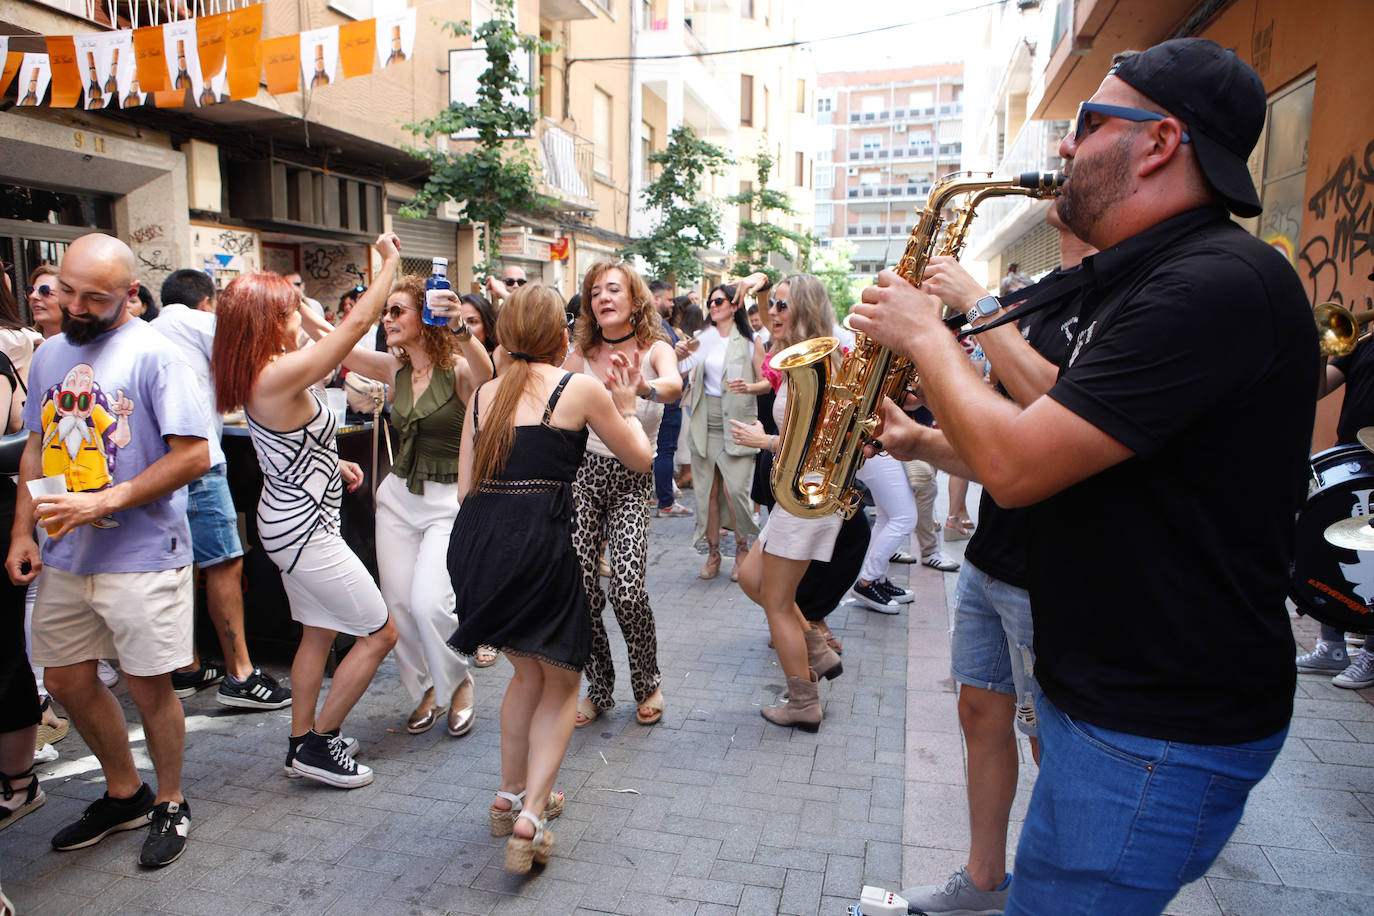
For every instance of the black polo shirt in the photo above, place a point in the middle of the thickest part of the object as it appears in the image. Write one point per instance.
(1157, 586)
(998, 545)
(1357, 408)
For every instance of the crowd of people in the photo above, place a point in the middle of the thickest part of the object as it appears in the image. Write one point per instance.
(537, 437)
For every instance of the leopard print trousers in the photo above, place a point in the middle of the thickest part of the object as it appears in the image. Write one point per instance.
(612, 508)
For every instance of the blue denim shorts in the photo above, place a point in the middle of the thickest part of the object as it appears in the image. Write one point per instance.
(991, 646)
(214, 523)
(1118, 823)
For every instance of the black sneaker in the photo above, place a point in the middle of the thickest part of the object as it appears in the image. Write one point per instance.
(167, 836)
(257, 691)
(187, 683)
(323, 758)
(895, 592)
(875, 598)
(105, 816)
(293, 744)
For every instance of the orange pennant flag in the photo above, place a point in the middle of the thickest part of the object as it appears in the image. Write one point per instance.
(357, 47)
(212, 34)
(12, 61)
(244, 51)
(281, 58)
(66, 75)
(150, 53)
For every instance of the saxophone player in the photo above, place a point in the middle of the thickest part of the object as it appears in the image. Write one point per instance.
(1142, 464)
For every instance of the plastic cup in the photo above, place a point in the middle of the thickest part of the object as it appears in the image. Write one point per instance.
(48, 486)
(337, 399)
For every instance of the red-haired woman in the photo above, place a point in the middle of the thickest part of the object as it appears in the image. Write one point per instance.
(429, 384)
(256, 363)
(618, 320)
(511, 557)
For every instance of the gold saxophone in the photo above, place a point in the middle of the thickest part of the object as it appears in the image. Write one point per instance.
(833, 410)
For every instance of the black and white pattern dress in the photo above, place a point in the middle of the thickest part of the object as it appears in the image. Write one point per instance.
(298, 522)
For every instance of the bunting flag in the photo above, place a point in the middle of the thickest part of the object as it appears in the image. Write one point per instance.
(319, 56)
(244, 51)
(357, 44)
(34, 76)
(204, 60)
(66, 78)
(395, 37)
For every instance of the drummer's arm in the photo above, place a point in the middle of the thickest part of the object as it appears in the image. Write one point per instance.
(1332, 378)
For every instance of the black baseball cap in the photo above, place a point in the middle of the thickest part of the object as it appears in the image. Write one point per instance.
(1221, 100)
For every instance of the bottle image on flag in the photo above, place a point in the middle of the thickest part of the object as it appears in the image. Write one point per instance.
(111, 83)
(31, 97)
(94, 97)
(397, 55)
(183, 80)
(134, 98)
(320, 78)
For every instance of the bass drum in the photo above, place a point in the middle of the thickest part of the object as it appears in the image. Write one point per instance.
(1332, 584)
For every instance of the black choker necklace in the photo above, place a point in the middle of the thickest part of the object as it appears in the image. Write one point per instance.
(618, 339)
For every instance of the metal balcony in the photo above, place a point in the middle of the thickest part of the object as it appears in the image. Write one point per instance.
(566, 160)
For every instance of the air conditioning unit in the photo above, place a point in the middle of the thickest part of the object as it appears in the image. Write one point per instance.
(901, 128)
(852, 172)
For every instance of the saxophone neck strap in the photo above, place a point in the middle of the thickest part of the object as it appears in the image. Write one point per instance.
(1052, 289)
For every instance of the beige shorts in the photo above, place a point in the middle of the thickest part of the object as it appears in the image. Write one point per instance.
(141, 618)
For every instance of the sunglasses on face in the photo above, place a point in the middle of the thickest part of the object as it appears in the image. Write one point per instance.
(513, 281)
(779, 305)
(719, 300)
(44, 291)
(396, 311)
(1114, 111)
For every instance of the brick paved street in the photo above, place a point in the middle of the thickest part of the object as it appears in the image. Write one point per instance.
(712, 811)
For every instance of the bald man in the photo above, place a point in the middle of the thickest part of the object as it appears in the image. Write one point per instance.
(117, 419)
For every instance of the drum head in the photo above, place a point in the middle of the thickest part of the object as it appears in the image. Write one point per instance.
(1332, 584)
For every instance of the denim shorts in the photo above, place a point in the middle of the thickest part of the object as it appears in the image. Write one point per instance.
(214, 523)
(991, 646)
(1118, 823)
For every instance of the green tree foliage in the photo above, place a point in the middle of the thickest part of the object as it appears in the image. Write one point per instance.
(834, 267)
(688, 220)
(499, 171)
(763, 232)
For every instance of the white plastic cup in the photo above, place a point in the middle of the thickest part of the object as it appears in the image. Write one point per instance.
(55, 485)
(337, 399)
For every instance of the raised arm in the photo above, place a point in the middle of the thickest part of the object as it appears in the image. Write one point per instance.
(362, 359)
(297, 371)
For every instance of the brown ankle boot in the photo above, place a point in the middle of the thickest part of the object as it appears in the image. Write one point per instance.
(820, 656)
(803, 706)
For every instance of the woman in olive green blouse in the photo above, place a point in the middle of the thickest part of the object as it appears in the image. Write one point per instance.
(429, 380)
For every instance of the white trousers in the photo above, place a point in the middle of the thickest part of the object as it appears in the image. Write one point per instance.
(412, 560)
(886, 480)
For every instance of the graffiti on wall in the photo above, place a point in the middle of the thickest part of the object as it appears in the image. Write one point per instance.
(330, 271)
(1336, 261)
(224, 253)
(153, 253)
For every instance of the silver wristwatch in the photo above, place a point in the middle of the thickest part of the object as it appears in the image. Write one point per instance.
(988, 305)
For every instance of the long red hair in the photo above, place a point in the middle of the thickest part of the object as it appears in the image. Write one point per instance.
(251, 318)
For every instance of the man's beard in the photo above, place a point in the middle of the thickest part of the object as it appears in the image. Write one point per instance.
(84, 330)
(1094, 187)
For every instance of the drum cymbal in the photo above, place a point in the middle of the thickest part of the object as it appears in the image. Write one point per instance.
(1366, 437)
(1355, 533)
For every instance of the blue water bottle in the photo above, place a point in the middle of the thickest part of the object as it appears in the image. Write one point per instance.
(438, 280)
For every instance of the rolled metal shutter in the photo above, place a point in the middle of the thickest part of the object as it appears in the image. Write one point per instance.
(424, 238)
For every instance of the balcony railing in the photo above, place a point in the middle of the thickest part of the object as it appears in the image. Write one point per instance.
(883, 231)
(567, 161)
(944, 110)
(898, 191)
(917, 151)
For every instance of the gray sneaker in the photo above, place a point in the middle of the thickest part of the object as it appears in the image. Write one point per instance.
(1327, 657)
(1359, 674)
(958, 897)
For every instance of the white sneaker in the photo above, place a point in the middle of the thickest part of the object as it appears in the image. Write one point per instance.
(938, 560)
(1327, 657)
(1359, 674)
(45, 754)
(107, 673)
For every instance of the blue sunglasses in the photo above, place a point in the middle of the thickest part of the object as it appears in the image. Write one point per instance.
(1115, 111)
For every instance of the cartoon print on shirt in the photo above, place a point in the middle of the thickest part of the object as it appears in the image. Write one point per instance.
(83, 430)
(1360, 574)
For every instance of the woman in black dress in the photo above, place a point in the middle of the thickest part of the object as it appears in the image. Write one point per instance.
(511, 558)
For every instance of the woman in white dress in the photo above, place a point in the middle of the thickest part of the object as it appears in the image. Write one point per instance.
(800, 309)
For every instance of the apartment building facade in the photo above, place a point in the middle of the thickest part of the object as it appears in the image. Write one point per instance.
(885, 137)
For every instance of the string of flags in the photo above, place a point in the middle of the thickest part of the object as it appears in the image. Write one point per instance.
(202, 61)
